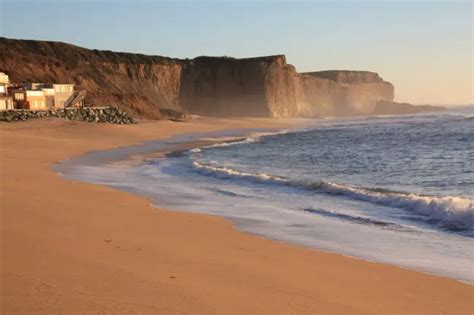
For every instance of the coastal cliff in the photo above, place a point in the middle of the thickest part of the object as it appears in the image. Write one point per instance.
(262, 86)
(268, 86)
(345, 92)
(148, 86)
(225, 86)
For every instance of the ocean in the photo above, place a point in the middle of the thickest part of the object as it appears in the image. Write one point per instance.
(392, 189)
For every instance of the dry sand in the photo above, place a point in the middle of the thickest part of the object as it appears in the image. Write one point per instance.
(69, 247)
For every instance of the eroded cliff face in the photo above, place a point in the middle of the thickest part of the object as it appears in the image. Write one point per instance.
(224, 87)
(212, 86)
(353, 92)
(320, 97)
(268, 86)
(264, 86)
(282, 88)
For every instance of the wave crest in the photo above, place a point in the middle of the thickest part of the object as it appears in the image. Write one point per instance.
(255, 137)
(450, 212)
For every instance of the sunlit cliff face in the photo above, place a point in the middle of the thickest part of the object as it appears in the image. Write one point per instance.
(212, 86)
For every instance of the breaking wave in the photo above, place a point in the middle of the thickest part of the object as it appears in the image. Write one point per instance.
(255, 137)
(225, 144)
(449, 212)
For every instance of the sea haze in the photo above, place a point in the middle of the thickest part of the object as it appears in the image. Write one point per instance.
(396, 189)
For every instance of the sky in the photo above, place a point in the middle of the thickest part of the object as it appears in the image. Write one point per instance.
(424, 48)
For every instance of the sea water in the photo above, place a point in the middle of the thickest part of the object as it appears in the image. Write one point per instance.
(396, 189)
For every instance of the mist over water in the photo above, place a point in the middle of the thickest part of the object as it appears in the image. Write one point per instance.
(396, 189)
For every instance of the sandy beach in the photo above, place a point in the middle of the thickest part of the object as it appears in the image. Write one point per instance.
(72, 247)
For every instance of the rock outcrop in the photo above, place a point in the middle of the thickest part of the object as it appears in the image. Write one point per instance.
(394, 108)
(151, 86)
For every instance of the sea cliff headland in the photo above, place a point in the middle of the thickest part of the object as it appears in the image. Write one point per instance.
(212, 86)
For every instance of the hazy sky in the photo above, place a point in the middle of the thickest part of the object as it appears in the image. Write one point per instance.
(424, 48)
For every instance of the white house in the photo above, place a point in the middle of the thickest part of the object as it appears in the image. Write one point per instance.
(6, 103)
(62, 92)
(4, 78)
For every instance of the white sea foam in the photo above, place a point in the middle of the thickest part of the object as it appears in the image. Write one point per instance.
(347, 219)
(254, 137)
(450, 211)
(454, 213)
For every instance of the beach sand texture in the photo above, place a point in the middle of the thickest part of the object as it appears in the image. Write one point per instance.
(69, 247)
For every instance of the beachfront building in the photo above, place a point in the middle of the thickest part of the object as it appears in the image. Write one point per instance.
(35, 100)
(38, 96)
(49, 96)
(55, 96)
(62, 94)
(6, 102)
(41, 96)
(19, 98)
(4, 80)
(34, 85)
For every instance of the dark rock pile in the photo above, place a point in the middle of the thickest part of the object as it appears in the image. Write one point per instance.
(90, 114)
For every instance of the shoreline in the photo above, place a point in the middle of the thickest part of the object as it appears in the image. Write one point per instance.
(198, 141)
(228, 262)
(261, 235)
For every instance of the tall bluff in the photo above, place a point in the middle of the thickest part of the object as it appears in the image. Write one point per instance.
(342, 93)
(222, 86)
(215, 86)
(268, 86)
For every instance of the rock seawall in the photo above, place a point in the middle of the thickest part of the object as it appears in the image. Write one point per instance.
(151, 86)
(89, 114)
